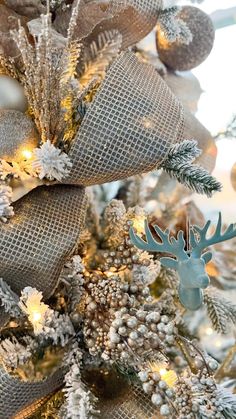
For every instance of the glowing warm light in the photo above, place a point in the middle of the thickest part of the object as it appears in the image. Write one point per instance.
(148, 123)
(209, 331)
(218, 343)
(27, 154)
(163, 372)
(36, 316)
(138, 224)
(33, 306)
(169, 376)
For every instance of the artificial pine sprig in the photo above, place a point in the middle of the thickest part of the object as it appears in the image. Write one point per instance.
(178, 165)
(221, 311)
(9, 300)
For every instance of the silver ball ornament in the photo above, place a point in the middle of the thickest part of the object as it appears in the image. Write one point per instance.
(12, 94)
(18, 136)
(182, 57)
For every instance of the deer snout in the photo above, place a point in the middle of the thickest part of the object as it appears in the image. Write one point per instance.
(204, 281)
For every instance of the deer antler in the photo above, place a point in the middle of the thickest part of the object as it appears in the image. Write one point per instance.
(200, 243)
(169, 244)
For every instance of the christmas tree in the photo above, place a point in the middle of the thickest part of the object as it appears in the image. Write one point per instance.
(106, 287)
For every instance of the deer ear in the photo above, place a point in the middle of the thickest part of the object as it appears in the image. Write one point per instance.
(207, 257)
(169, 263)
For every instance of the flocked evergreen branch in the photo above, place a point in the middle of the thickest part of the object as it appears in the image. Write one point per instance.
(227, 402)
(14, 353)
(47, 323)
(168, 278)
(58, 328)
(173, 27)
(178, 165)
(9, 300)
(80, 401)
(100, 55)
(221, 311)
(186, 151)
(6, 210)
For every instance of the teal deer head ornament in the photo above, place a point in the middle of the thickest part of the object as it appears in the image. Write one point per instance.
(189, 265)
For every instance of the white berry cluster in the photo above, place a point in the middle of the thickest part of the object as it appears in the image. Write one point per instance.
(157, 388)
(125, 254)
(197, 394)
(136, 333)
(105, 297)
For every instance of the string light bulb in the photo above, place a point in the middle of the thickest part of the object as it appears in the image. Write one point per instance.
(27, 154)
(169, 376)
(31, 304)
(138, 223)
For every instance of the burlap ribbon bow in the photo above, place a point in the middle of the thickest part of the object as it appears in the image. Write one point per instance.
(19, 399)
(128, 129)
(134, 19)
(130, 126)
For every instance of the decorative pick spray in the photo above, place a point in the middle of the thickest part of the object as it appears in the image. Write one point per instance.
(189, 265)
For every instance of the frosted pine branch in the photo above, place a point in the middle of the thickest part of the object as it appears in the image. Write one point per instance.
(47, 323)
(6, 210)
(79, 400)
(172, 27)
(73, 274)
(227, 402)
(58, 328)
(186, 151)
(50, 162)
(101, 54)
(146, 274)
(168, 278)
(178, 165)
(13, 353)
(221, 311)
(195, 178)
(9, 300)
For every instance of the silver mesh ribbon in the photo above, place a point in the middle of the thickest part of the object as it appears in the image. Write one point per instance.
(130, 126)
(134, 19)
(193, 129)
(20, 399)
(188, 92)
(36, 242)
(135, 404)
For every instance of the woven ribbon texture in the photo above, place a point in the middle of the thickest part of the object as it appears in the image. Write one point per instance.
(19, 399)
(36, 242)
(130, 126)
(134, 19)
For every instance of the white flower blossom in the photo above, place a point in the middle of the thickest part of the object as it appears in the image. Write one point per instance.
(50, 162)
(6, 210)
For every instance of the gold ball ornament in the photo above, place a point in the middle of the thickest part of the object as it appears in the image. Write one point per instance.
(233, 176)
(182, 57)
(18, 136)
(12, 94)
